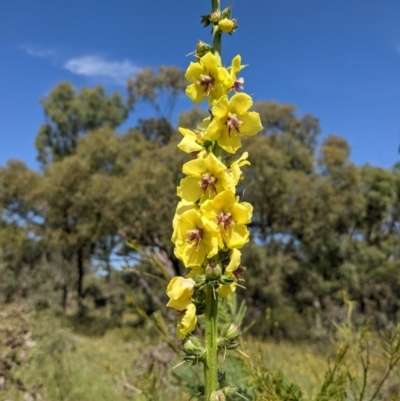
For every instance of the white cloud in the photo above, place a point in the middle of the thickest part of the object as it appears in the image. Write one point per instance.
(95, 66)
(34, 51)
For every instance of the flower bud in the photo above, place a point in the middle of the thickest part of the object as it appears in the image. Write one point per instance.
(213, 271)
(231, 331)
(199, 280)
(191, 344)
(202, 48)
(226, 25)
(215, 17)
(217, 396)
(229, 390)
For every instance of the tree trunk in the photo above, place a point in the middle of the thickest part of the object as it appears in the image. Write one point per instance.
(81, 274)
(64, 301)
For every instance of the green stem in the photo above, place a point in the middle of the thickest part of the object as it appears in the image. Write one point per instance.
(211, 362)
(211, 313)
(216, 32)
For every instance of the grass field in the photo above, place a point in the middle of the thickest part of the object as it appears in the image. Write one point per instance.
(50, 359)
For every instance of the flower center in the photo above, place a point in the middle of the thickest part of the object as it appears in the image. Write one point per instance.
(233, 122)
(225, 219)
(208, 180)
(207, 82)
(238, 273)
(195, 235)
(180, 313)
(238, 85)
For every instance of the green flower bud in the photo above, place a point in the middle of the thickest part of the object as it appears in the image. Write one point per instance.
(213, 272)
(191, 345)
(229, 390)
(215, 17)
(231, 331)
(202, 48)
(217, 396)
(199, 280)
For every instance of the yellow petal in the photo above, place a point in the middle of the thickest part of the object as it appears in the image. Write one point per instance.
(242, 212)
(229, 143)
(240, 103)
(188, 144)
(195, 271)
(236, 67)
(178, 304)
(189, 189)
(214, 130)
(234, 262)
(226, 289)
(195, 93)
(194, 71)
(195, 167)
(235, 170)
(192, 255)
(210, 62)
(251, 123)
(221, 109)
(242, 161)
(180, 288)
(236, 237)
(188, 322)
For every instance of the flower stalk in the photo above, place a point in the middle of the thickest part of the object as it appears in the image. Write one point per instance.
(211, 363)
(210, 221)
(216, 32)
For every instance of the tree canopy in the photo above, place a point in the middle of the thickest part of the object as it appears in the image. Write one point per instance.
(324, 230)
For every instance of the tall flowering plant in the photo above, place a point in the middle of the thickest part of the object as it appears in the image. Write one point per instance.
(209, 227)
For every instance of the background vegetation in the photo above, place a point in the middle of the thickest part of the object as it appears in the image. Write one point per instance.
(325, 241)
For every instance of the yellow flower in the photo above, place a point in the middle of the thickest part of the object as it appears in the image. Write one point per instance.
(191, 142)
(236, 67)
(235, 170)
(182, 207)
(231, 120)
(206, 178)
(187, 323)
(226, 25)
(226, 289)
(207, 78)
(234, 263)
(195, 238)
(180, 290)
(195, 271)
(231, 217)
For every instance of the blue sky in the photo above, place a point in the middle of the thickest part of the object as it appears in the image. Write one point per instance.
(339, 60)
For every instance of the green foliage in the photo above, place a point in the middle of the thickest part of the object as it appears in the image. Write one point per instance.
(72, 114)
(321, 227)
(44, 357)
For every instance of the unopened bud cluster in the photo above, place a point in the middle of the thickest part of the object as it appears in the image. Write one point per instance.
(222, 19)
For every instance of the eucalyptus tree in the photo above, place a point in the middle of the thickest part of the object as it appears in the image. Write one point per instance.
(71, 114)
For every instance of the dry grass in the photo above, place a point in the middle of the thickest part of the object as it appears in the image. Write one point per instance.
(135, 363)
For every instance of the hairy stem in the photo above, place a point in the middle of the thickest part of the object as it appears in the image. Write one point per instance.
(211, 362)
(211, 313)
(216, 32)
